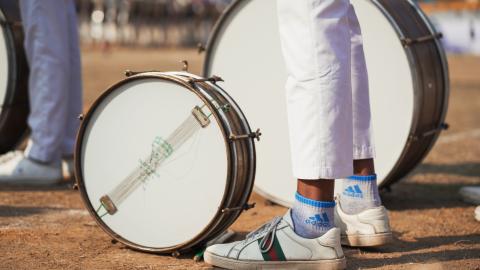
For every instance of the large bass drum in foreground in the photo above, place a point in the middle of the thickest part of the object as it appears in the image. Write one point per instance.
(407, 74)
(165, 161)
(13, 78)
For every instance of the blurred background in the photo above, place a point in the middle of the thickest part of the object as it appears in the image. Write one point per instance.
(185, 23)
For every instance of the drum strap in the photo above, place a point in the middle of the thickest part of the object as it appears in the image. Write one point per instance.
(161, 150)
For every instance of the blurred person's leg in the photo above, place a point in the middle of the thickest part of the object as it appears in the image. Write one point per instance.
(47, 48)
(75, 88)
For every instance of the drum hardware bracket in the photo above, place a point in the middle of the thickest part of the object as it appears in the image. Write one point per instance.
(201, 118)
(200, 48)
(212, 79)
(411, 41)
(185, 65)
(443, 126)
(244, 207)
(253, 135)
(80, 117)
(75, 186)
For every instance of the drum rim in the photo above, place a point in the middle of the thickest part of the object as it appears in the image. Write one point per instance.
(15, 103)
(215, 37)
(81, 183)
(389, 179)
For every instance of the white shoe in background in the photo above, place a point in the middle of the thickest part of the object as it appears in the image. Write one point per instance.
(369, 228)
(275, 245)
(68, 167)
(16, 168)
(470, 194)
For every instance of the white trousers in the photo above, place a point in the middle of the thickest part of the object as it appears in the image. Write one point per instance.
(327, 88)
(55, 86)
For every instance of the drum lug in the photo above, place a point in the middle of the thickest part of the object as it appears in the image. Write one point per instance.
(213, 79)
(200, 48)
(410, 41)
(253, 135)
(244, 207)
(80, 117)
(443, 126)
(176, 254)
(75, 186)
(185, 65)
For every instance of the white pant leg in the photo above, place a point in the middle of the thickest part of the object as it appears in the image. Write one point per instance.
(75, 96)
(315, 37)
(363, 146)
(47, 48)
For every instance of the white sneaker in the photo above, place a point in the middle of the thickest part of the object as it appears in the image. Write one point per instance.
(367, 229)
(276, 246)
(15, 168)
(470, 195)
(68, 167)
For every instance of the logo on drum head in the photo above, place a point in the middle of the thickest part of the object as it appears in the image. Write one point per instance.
(353, 191)
(320, 221)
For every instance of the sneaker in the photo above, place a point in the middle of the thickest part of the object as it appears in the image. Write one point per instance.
(16, 168)
(470, 195)
(367, 229)
(68, 167)
(276, 246)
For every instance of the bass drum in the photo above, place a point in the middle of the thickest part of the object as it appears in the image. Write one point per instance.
(165, 162)
(407, 74)
(13, 78)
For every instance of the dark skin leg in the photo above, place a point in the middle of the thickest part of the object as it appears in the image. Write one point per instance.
(363, 167)
(318, 189)
(322, 189)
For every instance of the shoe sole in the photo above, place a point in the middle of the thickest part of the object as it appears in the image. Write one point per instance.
(219, 261)
(367, 240)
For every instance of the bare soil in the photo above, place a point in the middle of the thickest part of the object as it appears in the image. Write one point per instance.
(48, 228)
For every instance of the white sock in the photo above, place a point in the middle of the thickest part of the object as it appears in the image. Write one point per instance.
(359, 193)
(311, 218)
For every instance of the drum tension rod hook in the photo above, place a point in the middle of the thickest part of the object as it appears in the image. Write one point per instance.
(212, 79)
(253, 135)
(443, 126)
(129, 73)
(185, 65)
(410, 41)
(245, 207)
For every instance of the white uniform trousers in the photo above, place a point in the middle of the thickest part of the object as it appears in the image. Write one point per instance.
(55, 87)
(327, 88)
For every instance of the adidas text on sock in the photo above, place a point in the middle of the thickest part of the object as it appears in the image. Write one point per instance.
(312, 218)
(359, 193)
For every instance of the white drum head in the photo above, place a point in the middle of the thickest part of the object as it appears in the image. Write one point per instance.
(4, 63)
(247, 54)
(177, 204)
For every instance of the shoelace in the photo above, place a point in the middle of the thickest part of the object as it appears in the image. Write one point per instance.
(8, 156)
(269, 229)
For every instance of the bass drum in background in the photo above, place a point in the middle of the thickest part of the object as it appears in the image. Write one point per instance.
(13, 78)
(407, 74)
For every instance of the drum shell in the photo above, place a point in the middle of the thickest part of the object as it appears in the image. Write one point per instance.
(15, 110)
(241, 175)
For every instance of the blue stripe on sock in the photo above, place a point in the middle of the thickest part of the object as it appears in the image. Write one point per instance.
(363, 177)
(313, 203)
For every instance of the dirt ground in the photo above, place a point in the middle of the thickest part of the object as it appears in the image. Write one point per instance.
(49, 228)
